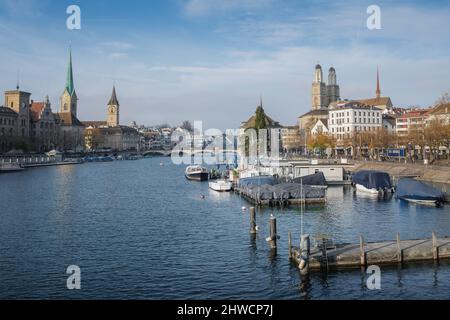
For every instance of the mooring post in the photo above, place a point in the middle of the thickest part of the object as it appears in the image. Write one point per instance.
(305, 251)
(435, 247)
(273, 232)
(252, 220)
(399, 249)
(290, 245)
(362, 252)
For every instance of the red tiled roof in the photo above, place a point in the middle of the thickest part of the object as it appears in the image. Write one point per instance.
(35, 110)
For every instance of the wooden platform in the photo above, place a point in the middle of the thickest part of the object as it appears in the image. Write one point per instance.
(379, 253)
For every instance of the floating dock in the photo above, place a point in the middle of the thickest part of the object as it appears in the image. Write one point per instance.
(376, 253)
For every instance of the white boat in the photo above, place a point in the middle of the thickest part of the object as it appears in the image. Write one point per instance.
(221, 185)
(10, 167)
(197, 173)
(361, 188)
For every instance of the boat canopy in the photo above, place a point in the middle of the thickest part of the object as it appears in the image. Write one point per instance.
(373, 179)
(414, 189)
(317, 179)
(258, 181)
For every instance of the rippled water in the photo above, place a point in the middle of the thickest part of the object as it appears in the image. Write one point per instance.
(140, 230)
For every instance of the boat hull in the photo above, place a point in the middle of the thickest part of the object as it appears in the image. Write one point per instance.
(362, 188)
(426, 202)
(221, 186)
(200, 176)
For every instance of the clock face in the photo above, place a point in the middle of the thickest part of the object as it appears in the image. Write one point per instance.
(112, 109)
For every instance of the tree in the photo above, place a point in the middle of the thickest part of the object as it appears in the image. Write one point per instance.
(320, 142)
(260, 119)
(187, 125)
(443, 99)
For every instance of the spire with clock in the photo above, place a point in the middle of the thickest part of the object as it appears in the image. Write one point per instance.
(113, 110)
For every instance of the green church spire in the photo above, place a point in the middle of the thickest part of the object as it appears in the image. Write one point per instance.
(69, 81)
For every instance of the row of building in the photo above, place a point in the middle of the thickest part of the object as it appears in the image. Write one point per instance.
(33, 126)
(342, 119)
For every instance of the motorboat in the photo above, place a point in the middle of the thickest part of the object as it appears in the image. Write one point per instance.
(197, 173)
(221, 185)
(10, 167)
(372, 182)
(415, 191)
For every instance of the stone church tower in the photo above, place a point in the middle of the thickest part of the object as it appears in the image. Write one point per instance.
(332, 87)
(319, 90)
(69, 99)
(323, 94)
(113, 110)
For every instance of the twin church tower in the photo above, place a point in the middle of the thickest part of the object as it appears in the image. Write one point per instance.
(324, 94)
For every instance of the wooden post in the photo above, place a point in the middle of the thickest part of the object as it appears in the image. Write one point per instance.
(252, 220)
(305, 251)
(273, 232)
(290, 245)
(399, 250)
(362, 252)
(435, 247)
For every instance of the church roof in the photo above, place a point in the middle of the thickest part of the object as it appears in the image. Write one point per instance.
(269, 122)
(381, 101)
(69, 80)
(113, 101)
(317, 112)
(68, 119)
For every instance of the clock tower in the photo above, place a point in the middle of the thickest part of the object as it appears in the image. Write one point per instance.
(113, 110)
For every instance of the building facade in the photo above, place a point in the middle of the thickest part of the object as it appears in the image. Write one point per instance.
(411, 122)
(352, 118)
(8, 129)
(44, 132)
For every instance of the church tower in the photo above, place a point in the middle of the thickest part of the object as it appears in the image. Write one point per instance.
(113, 110)
(319, 90)
(333, 90)
(378, 92)
(69, 100)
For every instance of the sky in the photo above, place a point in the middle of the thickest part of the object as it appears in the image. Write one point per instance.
(212, 60)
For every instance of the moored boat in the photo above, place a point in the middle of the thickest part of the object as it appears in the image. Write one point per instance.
(10, 167)
(415, 191)
(372, 182)
(197, 173)
(221, 185)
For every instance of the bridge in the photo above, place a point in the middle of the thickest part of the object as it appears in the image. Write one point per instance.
(187, 153)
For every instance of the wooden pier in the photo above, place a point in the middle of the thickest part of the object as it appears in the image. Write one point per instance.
(280, 202)
(377, 253)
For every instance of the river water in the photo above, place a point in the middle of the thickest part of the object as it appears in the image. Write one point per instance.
(139, 230)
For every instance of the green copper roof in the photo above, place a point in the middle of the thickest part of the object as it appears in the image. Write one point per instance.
(69, 81)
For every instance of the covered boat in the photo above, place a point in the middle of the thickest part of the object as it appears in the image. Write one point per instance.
(418, 192)
(317, 179)
(373, 182)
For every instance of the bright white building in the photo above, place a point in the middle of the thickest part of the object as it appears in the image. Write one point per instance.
(353, 117)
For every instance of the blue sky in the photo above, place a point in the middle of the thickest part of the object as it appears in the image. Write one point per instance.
(211, 60)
